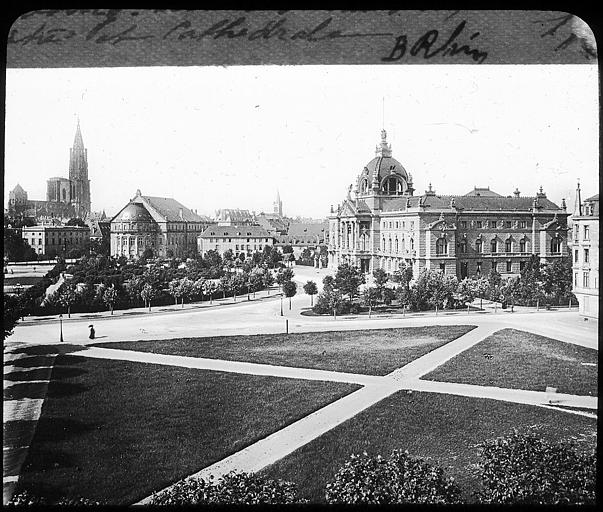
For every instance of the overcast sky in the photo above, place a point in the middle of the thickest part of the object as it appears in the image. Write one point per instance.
(229, 137)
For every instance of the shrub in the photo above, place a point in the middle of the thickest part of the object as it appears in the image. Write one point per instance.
(526, 469)
(26, 498)
(233, 488)
(399, 479)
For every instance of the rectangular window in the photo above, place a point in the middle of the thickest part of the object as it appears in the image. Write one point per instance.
(493, 224)
(522, 265)
(586, 233)
(576, 279)
(478, 267)
(443, 267)
(39, 241)
(508, 266)
(523, 224)
(586, 256)
(479, 224)
(508, 224)
(576, 256)
(403, 224)
(412, 224)
(464, 224)
(585, 280)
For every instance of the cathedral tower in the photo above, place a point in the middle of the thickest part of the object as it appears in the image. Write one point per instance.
(78, 175)
(278, 205)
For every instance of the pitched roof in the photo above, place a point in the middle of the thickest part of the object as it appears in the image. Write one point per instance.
(482, 191)
(297, 229)
(235, 231)
(400, 203)
(169, 209)
(593, 198)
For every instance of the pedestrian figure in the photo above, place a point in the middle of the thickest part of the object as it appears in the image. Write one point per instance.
(91, 332)
(12, 271)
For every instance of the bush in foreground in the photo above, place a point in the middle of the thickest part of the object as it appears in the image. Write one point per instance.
(233, 488)
(526, 469)
(26, 498)
(399, 479)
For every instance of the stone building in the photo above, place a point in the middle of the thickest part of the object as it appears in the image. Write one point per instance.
(383, 224)
(160, 224)
(65, 197)
(585, 248)
(234, 217)
(56, 240)
(238, 239)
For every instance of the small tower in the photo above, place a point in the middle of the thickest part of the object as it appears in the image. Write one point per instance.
(578, 202)
(278, 205)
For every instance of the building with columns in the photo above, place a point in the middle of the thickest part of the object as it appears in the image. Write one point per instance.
(585, 247)
(383, 224)
(161, 224)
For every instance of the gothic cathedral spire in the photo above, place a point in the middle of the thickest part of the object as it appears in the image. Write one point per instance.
(78, 174)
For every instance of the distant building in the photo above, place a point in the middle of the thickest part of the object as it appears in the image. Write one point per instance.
(234, 217)
(277, 207)
(304, 235)
(585, 248)
(161, 224)
(382, 224)
(239, 239)
(56, 240)
(65, 197)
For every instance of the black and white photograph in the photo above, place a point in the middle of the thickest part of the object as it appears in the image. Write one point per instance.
(300, 257)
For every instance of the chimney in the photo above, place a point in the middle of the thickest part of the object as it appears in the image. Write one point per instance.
(516, 192)
(180, 214)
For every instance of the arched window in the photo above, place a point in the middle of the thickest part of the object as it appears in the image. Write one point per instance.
(508, 245)
(441, 246)
(522, 245)
(396, 244)
(412, 244)
(383, 244)
(403, 244)
(390, 245)
(493, 246)
(463, 247)
(556, 245)
(478, 246)
(392, 185)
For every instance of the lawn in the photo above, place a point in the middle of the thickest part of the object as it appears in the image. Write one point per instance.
(116, 431)
(11, 280)
(374, 352)
(442, 428)
(523, 360)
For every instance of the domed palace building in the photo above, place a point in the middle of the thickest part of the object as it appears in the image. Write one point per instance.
(160, 224)
(383, 224)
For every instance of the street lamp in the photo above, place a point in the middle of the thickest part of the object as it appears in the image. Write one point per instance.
(281, 305)
(61, 324)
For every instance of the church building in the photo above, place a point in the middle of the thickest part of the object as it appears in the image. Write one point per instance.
(383, 224)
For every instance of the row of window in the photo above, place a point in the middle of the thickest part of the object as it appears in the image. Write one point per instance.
(585, 232)
(585, 280)
(586, 253)
(397, 224)
(224, 240)
(242, 247)
(492, 224)
(51, 241)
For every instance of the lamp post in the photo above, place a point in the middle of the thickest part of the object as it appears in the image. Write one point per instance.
(281, 305)
(61, 326)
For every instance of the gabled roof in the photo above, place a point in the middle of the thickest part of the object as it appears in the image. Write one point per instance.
(400, 203)
(483, 192)
(485, 203)
(169, 209)
(299, 229)
(593, 198)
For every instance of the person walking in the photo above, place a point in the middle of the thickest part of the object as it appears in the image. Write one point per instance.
(92, 332)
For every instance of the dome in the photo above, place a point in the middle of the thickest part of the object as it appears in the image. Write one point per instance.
(134, 212)
(384, 174)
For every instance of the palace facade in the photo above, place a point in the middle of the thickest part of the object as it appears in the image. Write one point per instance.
(383, 224)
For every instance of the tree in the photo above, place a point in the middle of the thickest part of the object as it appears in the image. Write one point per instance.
(369, 298)
(110, 297)
(403, 276)
(329, 301)
(434, 289)
(185, 288)
(230, 489)
(380, 279)
(467, 290)
(67, 297)
(236, 282)
(289, 289)
(209, 287)
(524, 469)
(287, 249)
(510, 289)
(228, 255)
(398, 479)
(147, 294)
(147, 254)
(268, 280)
(174, 289)
(15, 248)
(11, 313)
(284, 275)
(328, 283)
(134, 287)
(348, 280)
(311, 289)
(557, 279)
(481, 289)
(212, 258)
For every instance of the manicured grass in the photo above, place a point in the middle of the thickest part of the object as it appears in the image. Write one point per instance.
(375, 352)
(442, 428)
(116, 431)
(12, 279)
(523, 360)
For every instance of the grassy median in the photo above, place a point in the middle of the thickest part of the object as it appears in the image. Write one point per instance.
(116, 431)
(374, 352)
(521, 360)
